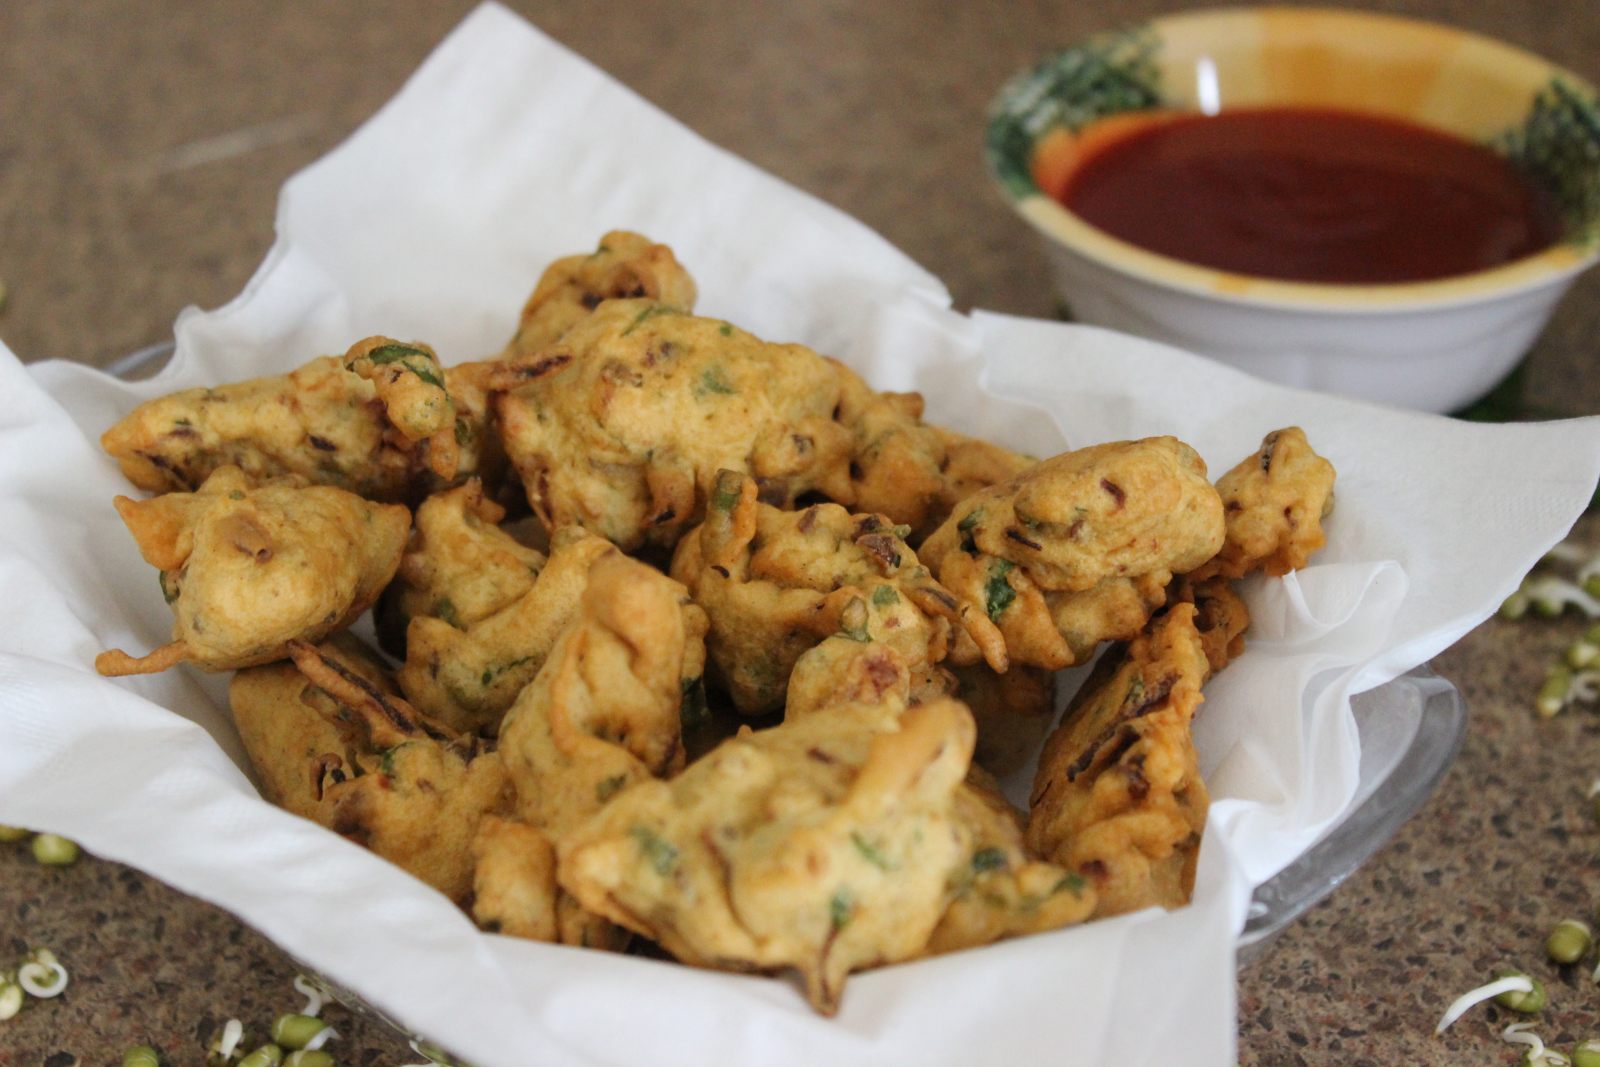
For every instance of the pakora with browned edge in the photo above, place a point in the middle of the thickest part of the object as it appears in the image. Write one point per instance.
(669, 674)
(1079, 548)
(626, 436)
(603, 713)
(776, 583)
(378, 421)
(332, 741)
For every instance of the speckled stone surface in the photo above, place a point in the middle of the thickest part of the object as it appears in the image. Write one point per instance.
(141, 149)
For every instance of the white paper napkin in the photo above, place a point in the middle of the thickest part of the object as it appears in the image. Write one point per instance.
(432, 222)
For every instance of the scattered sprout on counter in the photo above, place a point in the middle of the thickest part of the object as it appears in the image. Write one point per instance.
(222, 1050)
(1512, 984)
(1569, 942)
(9, 834)
(10, 996)
(433, 1054)
(53, 850)
(265, 1056)
(308, 1058)
(301, 1032)
(141, 1056)
(1536, 1055)
(1587, 1053)
(316, 996)
(41, 974)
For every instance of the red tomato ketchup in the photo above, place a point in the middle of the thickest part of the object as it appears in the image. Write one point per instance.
(1313, 195)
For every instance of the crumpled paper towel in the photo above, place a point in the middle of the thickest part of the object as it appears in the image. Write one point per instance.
(432, 221)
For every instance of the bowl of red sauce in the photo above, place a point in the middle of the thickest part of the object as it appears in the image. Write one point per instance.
(1338, 200)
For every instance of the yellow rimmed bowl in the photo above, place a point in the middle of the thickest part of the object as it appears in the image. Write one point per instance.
(1435, 345)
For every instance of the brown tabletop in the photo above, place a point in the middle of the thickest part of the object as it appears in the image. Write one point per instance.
(141, 150)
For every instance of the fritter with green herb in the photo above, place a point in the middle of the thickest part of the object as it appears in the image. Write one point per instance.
(603, 713)
(378, 421)
(1079, 548)
(823, 845)
(624, 266)
(777, 583)
(626, 436)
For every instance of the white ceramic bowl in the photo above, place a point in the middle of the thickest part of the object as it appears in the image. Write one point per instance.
(1434, 345)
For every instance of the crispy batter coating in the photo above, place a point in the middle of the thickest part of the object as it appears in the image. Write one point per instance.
(625, 265)
(468, 671)
(824, 845)
(378, 421)
(626, 435)
(1079, 548)
(1118, 796)
(972, 464)
(459, 565)
(603, 713)
(248, 570)
(332, 742)
(1221, 617)
(912, 471)
(1001, 891)
(777, 583)
(1274, 502)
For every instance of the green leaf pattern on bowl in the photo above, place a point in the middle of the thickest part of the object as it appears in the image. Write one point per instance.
(1558, 145)
(1110, 73)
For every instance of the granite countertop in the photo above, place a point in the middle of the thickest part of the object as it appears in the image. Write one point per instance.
(141, 150)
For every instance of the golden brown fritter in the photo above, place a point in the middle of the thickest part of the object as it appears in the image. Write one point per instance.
(626, 265)
(1274, 502)
(972, 464)
(824, 845)
(603, 713)
(1118, 796)
(247, 570)
(459, 565)
(1220, 617)
(468, 671)
(1079, 548)
(776, 583)
(626, 435)
(332, 742)
(1001, 891)
(378, 421)
(912, 471)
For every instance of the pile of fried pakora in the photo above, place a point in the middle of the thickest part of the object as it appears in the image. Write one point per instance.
(697, 638)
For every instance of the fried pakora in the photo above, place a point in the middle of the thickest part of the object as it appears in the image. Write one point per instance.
(378, 421)
(459, 565)
(625, 266)
(246, 570)
(1078, 549)
(1118, 796)
(626, 435)
(1001, 891)
(468, 671)
(824, 845)
(1274, 502)
(603, 712)
(331, 741)
(908, 470)
(777, 583)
